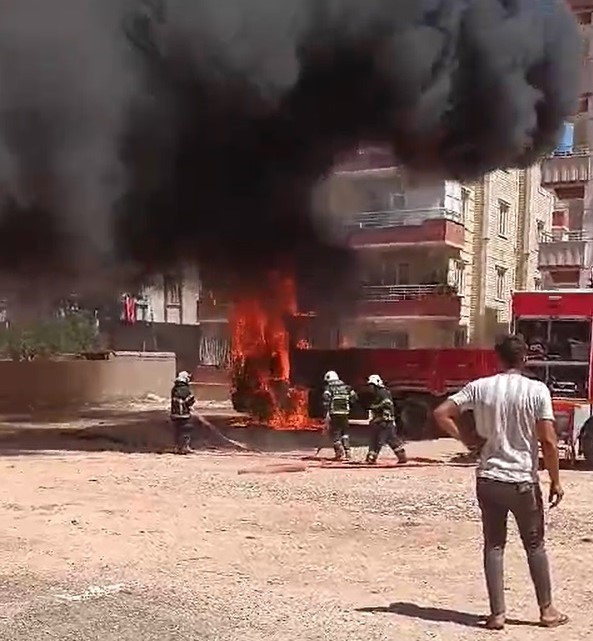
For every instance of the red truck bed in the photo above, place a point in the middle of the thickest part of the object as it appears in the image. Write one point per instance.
(435, 371)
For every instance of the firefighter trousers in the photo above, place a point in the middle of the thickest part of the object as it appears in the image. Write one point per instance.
(385, 433)
(182, 432)
(339, 426)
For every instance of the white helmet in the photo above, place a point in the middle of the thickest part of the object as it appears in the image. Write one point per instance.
(376, 380)
(183, 377)
(331, 376)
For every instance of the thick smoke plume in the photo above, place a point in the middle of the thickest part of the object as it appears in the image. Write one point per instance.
(144, 134)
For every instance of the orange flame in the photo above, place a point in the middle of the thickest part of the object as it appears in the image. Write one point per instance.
(260, 343)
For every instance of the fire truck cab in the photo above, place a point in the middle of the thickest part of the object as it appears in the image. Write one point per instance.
(557, 326)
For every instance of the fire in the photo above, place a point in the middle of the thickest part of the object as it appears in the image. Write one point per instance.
(260, 356)
(303, 343)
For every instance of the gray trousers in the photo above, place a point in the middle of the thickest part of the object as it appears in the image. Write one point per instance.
(524, 501)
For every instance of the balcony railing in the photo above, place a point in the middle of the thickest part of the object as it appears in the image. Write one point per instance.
(365, 159)
(563, 249)
(401, 218)
(392, 293)
(574, 152)
(560, 236)
(566, 167)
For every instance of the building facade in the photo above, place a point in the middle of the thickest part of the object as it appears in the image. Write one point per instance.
(173, 298)
(566, 255)
(439, 260)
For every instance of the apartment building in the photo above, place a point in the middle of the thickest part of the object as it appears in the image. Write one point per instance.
(439, 260)
(172, 298)
(566, 254)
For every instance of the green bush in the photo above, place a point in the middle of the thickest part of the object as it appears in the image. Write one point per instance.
(73, 334)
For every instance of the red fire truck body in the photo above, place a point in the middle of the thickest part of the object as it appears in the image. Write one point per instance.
(557, 326)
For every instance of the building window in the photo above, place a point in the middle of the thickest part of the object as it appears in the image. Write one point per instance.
(583, 107)
(459, 276)
(504, 211)
(385, 339)
(172, 286)
(396, 201)
(460, 338)
(382, 196)
(403, 274)
(388, 272)
(501, 277)
(541, 231)
(465, 198)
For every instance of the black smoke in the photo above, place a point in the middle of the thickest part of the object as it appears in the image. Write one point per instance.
(136, 135)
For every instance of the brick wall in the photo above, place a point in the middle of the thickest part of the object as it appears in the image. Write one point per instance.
(540, 208)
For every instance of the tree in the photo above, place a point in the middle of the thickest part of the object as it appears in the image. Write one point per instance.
(72, 334)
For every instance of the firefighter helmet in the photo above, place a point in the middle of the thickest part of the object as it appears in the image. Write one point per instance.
(376, 380)
(183, 377)
(331, 376)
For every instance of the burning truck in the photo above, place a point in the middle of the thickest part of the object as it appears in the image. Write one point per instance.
(277, 376)
(260, 357)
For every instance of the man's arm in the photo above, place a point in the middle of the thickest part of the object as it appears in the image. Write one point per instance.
(446, 416)
(447, 413)
(326, 397)
(546, 435)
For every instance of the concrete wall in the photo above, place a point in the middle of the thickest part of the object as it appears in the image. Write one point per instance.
(183, 340)
(57, 383)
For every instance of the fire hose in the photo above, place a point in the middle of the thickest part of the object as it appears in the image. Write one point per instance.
(323, 434)
(219, 435)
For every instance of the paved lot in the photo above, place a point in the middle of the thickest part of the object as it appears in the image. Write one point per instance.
(114, 546)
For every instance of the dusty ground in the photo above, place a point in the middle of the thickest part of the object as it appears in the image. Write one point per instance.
(120, 547)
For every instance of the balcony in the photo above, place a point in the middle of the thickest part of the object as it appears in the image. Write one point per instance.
(366, 159)
(434, 226)
(410, 301)
(580, 5)
(212, 309)
(562, 249)
(567, 168)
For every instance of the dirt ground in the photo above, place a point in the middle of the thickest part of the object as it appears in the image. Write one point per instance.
(117, 546)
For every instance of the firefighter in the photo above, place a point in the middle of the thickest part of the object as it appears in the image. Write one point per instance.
(182, 401)
(337, 400)
(382, 422)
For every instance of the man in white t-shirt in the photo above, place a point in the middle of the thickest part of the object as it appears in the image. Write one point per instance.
(513, 415)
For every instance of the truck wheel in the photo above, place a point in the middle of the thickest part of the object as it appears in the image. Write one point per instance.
(414, 415)
(587, 447)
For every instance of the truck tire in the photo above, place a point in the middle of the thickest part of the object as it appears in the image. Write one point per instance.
(586, 438)
(416, 415)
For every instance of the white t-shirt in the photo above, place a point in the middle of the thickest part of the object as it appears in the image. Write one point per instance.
(506, 408)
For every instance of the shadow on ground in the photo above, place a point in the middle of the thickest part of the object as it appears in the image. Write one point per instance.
(150, 431)
(437, 615)
(143, 431)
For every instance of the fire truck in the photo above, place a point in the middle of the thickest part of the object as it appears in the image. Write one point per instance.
(557, 328)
